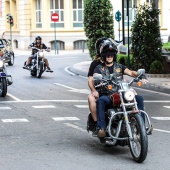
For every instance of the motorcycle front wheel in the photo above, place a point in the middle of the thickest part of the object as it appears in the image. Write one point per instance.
(40, 69)
(139, 144)
(3, 87)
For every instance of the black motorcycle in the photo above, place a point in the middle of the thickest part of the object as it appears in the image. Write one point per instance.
(125, 125)
(37, 65)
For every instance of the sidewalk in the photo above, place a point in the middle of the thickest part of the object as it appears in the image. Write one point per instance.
(157, 82)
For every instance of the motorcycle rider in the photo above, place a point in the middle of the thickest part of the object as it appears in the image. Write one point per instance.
(38, 44)
(108, 52)
(93, 96)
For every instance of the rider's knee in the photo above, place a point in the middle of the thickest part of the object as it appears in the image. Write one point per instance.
(91, 99)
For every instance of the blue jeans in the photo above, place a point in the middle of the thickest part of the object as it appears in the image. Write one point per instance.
(104, 101)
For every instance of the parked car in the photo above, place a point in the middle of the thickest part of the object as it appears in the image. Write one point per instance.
(6, 51)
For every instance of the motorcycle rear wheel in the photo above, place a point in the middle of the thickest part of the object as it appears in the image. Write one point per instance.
(3, 87)
(138, 146)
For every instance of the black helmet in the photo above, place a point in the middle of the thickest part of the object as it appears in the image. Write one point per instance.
(98, 44)
(108, 48)
(38, 37)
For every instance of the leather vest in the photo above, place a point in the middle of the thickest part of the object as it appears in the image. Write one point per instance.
(118, 76)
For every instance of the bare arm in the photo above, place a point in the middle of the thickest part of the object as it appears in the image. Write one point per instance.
(91, 86)
(130, 73)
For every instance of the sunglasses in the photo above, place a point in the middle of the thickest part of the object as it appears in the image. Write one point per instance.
(38, 39)
(109, 56)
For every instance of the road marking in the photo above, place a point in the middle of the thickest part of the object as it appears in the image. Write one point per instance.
(161, 118)
(45, 106)
(167, 107)
(4, 108)
(159, 130)
(82, 106)
(65, 118)
(157, 101)
(152, 91)
(14, 120)
(15, 98)
(63, 58)
(67, 70)
(84, 91)
(37, 101)
(75, 127)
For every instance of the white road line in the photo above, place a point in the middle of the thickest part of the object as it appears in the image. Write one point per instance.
(37, 101)
(75, 127)
(63, 58)
(84, 91)
(157, 101)
(4, 108)
(152, 91)
(14, 120)
(82, 106)
(167, 107)
(65, 86)
(83, 77)
(66, 69)
(65, 118)
(45, 106)
(15, 98)
(159, 130)
(161, 118)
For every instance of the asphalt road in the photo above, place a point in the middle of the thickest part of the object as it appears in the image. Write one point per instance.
(43, 123)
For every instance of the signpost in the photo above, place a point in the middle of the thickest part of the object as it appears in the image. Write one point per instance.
(55, 18)
(118, 17)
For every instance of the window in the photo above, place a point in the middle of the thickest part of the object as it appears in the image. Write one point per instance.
(80, 44)
(57, 6)
(38, 14)
(78, 6)
(132, 11)
(59, 44)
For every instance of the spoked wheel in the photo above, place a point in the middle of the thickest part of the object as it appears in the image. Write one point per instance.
(11, 62)
(40, 69)
(139, 145)
(3, 87)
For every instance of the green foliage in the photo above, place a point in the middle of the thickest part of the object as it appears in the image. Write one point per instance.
(123, 59)
(166, 46)
(156, 67)
(146, 41)
(98, 22)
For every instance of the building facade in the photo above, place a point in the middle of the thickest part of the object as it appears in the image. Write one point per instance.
(33, 17)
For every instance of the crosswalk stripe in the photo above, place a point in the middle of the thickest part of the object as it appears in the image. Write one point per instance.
(167, 107)
(65, 118)
(82, 106)
(44, 106)
(161, 118)
(4, 108)
(14, 120)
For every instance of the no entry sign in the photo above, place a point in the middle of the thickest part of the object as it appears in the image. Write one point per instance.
(54, 17)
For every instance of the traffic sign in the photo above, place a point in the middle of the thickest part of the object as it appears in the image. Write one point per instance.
(118, 16)
(55, 17)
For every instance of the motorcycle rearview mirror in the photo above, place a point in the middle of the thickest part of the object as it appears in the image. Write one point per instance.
(97, 76)
(141, 71)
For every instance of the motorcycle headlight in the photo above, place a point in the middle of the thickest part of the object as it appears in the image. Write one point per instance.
(129, 95)
(41, 54)
(1, 63)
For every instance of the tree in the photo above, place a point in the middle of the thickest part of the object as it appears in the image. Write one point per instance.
(146, 41)
(98, 22)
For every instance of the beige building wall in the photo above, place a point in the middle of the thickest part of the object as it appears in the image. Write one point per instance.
(25, 30)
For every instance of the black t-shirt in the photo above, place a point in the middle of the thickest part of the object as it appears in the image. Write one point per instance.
(93, 65)
(40, 46)
(97, 70)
